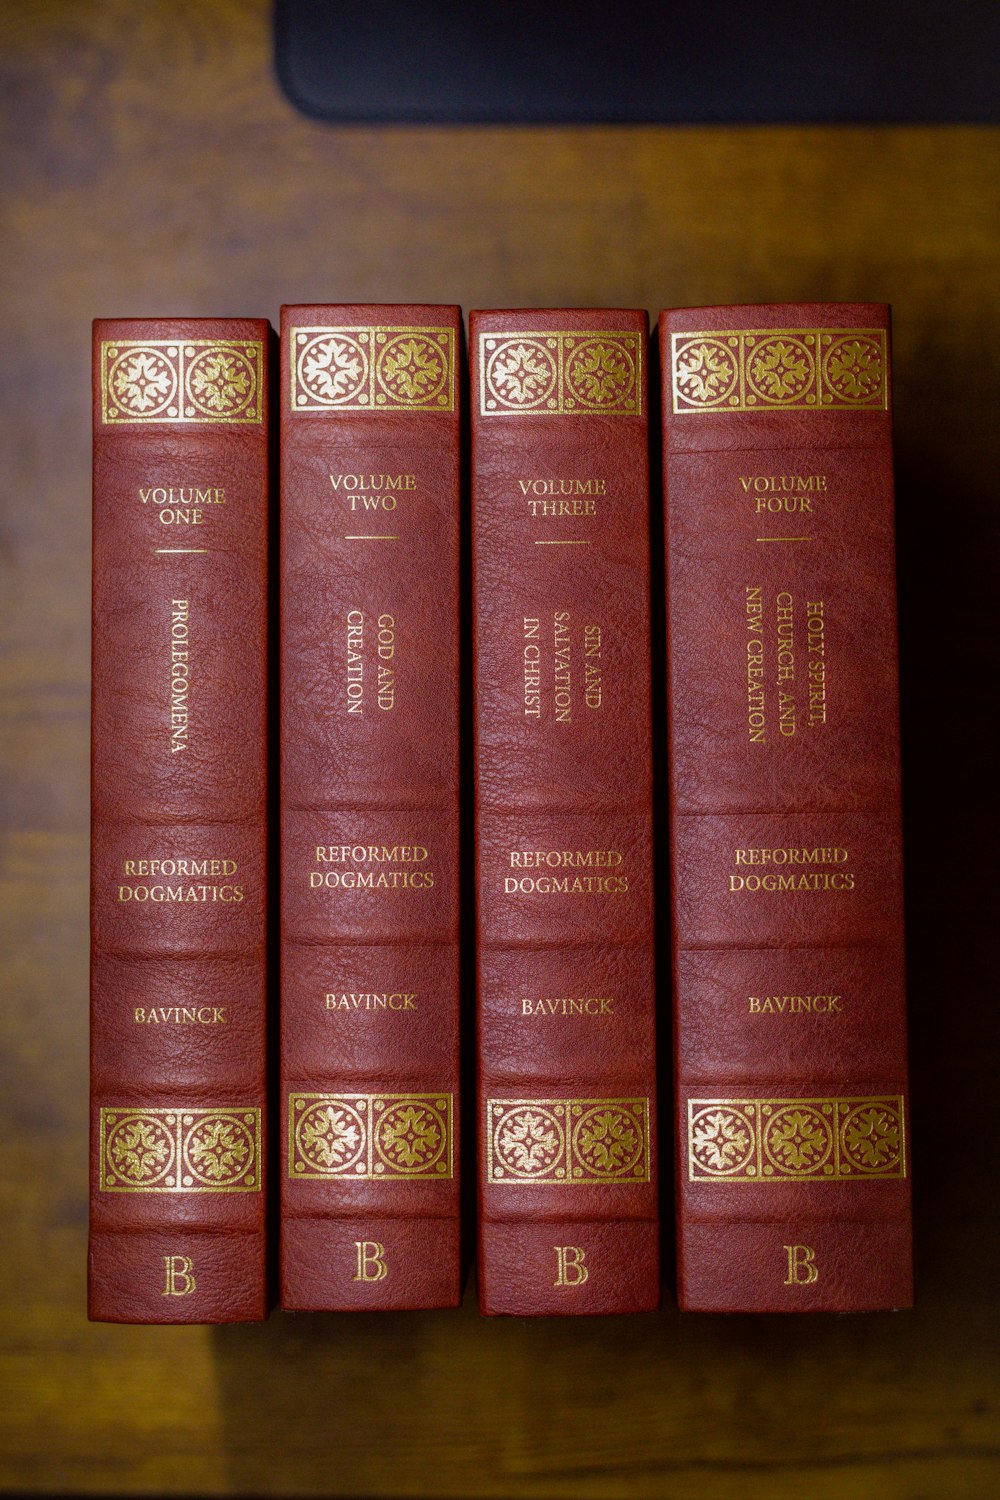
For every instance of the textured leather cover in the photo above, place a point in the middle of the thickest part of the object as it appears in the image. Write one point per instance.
(370, 528)
(792, 1165)
(178, 829)
(563, 788)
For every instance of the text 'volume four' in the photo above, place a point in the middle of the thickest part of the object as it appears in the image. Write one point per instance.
(370, 527)
(784, 776)
(178, 828)
(563, 770)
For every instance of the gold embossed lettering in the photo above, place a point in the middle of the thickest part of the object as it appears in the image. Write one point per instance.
(817, 667)
(180, 674)
(355, 666)
(564, 662)
(386, 647)
(183, 504)
(817, 880)
(566, 885)
(562, 507)
(179, 1015)
(802, 1268)
(532, 670)
(201, 870)
(563, 694)
(372, 491)
(366, 1000)
(569, 1005)
(562, 486)
(179, 1276)
(355, 877)
(793, 1005)
(371, 1265)
(756, 721)
(570, 1267)
(784, 494)
(592, 694)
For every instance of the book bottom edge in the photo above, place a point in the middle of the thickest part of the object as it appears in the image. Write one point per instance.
(364, 1265)
(176, 1276)
(571, 1268)
(794, 1266)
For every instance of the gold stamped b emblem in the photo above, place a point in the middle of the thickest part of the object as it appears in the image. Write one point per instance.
(179, 1276)
(371, 1262)
(802, 1268)
(571, 1268)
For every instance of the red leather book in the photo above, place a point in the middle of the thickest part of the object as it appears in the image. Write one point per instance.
(370, 531)
(567, 1184)
(785, 827)
(178, 829)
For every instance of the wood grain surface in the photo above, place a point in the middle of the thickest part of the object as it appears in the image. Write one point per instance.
(150, 166)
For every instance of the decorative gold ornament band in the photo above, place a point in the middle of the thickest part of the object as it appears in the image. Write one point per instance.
(567, 1142)
(560, 374)
(180, 1150)
(182, 380)
(780, 369)
(398, 368)
(364, 1136)
(801, 1140)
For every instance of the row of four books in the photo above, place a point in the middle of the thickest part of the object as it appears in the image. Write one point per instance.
(781, 777)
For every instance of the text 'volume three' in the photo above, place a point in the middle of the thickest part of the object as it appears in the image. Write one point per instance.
(563, 788)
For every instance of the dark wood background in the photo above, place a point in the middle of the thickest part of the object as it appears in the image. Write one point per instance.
(151, 166)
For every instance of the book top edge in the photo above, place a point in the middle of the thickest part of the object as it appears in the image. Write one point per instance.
(179, 328)
(753, 317)
(363, 314)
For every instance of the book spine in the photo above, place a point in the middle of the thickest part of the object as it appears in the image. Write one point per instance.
(370, 528)
(178, 821)
(793, 1191)
(567, 1184)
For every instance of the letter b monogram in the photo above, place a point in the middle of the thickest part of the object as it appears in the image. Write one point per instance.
(802, 1269)
(179, 1271)
(570, 1268)
(371, 1261)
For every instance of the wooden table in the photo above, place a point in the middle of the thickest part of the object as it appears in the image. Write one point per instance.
(151, 166)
